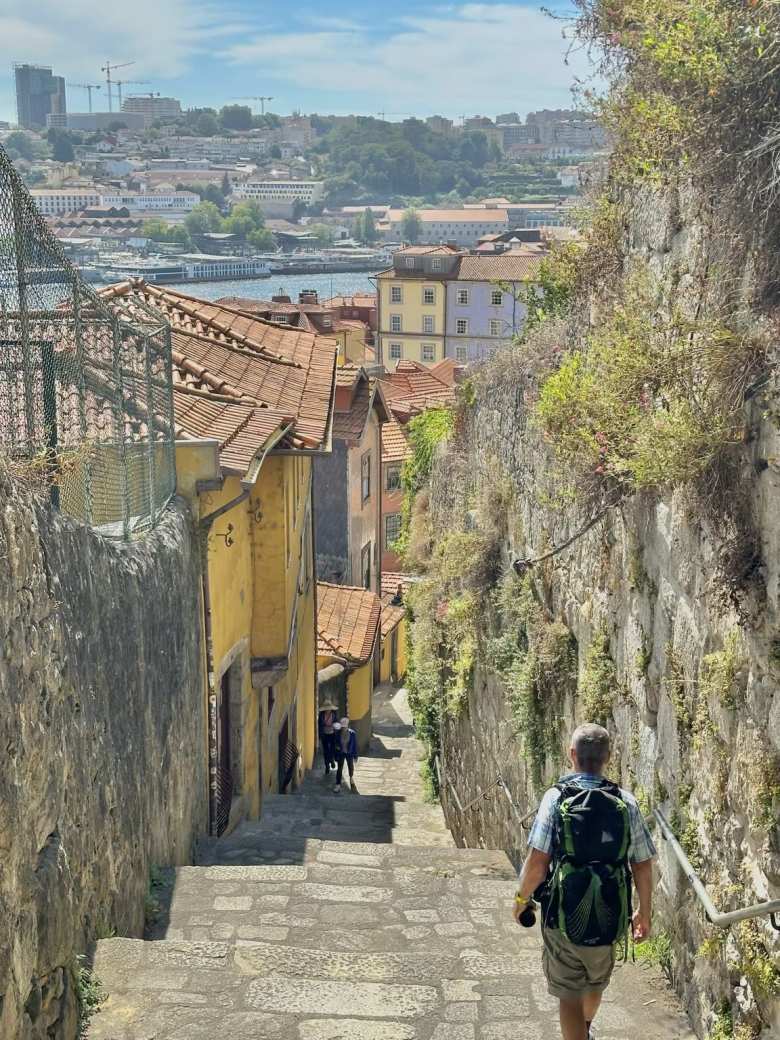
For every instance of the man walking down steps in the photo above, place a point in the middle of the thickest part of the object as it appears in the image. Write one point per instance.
(586, 834)
(357, 918)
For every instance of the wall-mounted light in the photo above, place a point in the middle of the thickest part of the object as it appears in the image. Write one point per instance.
(257, 515)
(228, 536)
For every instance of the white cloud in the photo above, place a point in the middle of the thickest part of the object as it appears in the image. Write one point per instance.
(457, 59)
(77, 37)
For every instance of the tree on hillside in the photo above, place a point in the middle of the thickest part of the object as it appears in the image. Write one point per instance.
(262, 239)
(322, 233)
(411, 226)
(205, 217)
(226, 187)
(61, 145)
(244, 218)
(365, 227)
(158, 231)
(20, 146)
(207, 125)
(236, 117)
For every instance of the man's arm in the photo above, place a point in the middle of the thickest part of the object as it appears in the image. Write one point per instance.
(643, 879)
(531, 876)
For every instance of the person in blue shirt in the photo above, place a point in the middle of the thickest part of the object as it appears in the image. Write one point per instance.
(578, 975)
(346, 751)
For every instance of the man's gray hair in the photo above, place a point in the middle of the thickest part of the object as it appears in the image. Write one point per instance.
(591, 746)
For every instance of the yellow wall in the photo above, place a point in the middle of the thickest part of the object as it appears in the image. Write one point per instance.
(262, 591)
(365, 517)
(386, 655)
(412, 309)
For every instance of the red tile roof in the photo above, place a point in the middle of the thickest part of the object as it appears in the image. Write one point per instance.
(395, 447)
(452, 216)
(448, 371)
(412, 388)
(391, 580)
(504, 267)
(349, 425)
(347, 621)
(285, 377)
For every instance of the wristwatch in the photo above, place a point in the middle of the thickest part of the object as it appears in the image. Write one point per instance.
(521, 899)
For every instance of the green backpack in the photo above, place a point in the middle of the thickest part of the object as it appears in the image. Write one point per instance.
(588, 894)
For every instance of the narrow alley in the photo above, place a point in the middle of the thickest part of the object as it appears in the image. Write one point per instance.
(351, 916)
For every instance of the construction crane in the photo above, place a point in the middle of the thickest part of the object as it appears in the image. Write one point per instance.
(89, 87)
(108, 68)
(260, 98)
(127, 83)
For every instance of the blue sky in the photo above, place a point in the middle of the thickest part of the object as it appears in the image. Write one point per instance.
(412, 58)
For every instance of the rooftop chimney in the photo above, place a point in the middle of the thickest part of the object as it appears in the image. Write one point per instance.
(308, 296)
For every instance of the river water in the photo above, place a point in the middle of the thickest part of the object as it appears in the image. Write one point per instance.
(327, 285)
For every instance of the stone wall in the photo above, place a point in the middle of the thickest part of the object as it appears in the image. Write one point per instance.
(669, 585)
(102, 730)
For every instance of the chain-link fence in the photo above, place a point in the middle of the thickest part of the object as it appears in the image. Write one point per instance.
(86, 397)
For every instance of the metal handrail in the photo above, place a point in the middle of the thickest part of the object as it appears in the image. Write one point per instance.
(770, 906)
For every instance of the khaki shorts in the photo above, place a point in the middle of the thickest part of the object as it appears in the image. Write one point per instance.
(572, 971)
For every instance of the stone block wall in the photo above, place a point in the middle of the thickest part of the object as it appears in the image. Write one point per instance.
(650, 575)
(103, 738)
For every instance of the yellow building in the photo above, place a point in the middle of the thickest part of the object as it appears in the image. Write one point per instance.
(412, 305)
(348, 634)
(253, 404)
(392, 664)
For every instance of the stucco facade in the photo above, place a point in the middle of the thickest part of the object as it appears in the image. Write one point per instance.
(259, 600)
(481, 316)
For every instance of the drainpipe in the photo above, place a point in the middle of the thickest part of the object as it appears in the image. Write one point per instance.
(204, 527)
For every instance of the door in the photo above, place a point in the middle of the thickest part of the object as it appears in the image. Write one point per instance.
(281, 744)
(394, 655)
(224, 778)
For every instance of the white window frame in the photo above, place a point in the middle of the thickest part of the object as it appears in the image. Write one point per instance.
(428, 291)
(410, 261)
(426, 349)
(396, 294)
(396, 351)
(461, 352)
(462, 298)
(429, 325)
(496, 326)
(436, 263)
(496, 302)
(462, 326)
(396, 323)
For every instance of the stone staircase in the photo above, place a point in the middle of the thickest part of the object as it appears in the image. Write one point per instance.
(349, 916)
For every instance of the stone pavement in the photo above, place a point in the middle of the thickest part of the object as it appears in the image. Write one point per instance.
(350, 916)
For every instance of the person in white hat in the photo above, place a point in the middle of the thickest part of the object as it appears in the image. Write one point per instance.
(346, 751)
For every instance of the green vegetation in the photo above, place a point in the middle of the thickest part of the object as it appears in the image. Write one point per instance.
(152, 900)
(426, 433)
(658, 951)
(763, 784)
(647, 403)
(720, 673)
(89, 994)
(696, 86)
(552, 297)
(246, 220)
(598, 685)
(760, 967)
(364, 227)
(411, 226)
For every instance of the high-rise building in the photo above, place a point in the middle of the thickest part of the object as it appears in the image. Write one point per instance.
(39, 93)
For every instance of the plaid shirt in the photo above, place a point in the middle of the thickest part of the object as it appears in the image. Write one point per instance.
(640, 847)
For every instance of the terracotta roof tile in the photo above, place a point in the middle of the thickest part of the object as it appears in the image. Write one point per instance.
(391, 580)
(347, 621)
(349, 425)
(505, 267)
(412, 388)
(224, 352)
(451, 216)
(395, 447)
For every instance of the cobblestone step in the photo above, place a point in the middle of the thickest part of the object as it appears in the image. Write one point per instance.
(388, 932)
